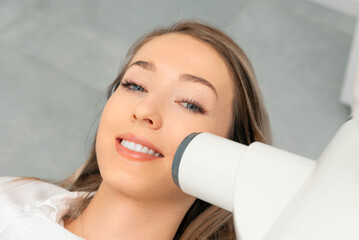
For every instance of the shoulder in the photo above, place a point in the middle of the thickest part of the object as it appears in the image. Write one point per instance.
(20, 191)
(19, 196)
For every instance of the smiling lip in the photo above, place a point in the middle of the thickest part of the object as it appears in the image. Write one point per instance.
(133, 155)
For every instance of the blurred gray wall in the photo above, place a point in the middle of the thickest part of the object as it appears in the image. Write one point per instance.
(58, 57)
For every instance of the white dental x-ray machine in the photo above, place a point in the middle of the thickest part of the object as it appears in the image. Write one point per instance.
(274, 194)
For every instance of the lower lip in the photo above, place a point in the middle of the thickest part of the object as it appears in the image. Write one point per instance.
(133, 155)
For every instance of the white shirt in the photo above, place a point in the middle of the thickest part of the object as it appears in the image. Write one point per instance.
(33, 210)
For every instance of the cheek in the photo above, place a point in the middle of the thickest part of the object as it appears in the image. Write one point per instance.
(110, 121)
(102, 142)
(113, 114)
(218, 123)
(180, 128)
(224, 122)
(223, 118)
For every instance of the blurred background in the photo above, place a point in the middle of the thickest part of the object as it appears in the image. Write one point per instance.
(58, 57)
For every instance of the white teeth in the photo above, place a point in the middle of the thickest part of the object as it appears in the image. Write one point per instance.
(145, 150)
(131, 146)
(139, 148)
(123, 143)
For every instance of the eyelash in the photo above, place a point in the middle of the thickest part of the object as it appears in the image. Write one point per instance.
(128, 83)
(196, 104)
(199, 107)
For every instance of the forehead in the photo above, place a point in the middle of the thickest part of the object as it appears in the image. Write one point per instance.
(179, 53)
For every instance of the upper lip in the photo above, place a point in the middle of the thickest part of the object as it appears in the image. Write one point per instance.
(138, 139)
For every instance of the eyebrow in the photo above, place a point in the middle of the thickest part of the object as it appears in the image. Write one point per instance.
(183, 77)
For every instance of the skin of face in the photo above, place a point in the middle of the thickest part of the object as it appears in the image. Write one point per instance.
(157, 108)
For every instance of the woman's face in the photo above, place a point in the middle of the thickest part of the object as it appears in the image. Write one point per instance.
(174, 85)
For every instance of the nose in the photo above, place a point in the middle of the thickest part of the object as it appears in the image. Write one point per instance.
(147, 112)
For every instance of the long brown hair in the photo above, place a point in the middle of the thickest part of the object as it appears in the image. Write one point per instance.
(250, 123)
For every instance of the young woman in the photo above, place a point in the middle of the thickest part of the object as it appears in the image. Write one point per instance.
(190, 77)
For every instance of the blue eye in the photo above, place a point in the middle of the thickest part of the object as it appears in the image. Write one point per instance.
(193, 106)
(132, 86)
(190, 106)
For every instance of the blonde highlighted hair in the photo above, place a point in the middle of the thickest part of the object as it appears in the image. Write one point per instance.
(250, 123)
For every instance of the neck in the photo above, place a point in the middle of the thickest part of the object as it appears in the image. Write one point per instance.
(113, 215)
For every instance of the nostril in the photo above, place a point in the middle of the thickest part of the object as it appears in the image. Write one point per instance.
(145, 119)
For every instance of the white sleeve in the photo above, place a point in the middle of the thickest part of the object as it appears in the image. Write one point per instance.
(5, 179)
(32, 209)
(21, 192)
(5, 183)
(8, 209)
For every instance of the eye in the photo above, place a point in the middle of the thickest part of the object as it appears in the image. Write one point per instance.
(193, 106)
(130, 85)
